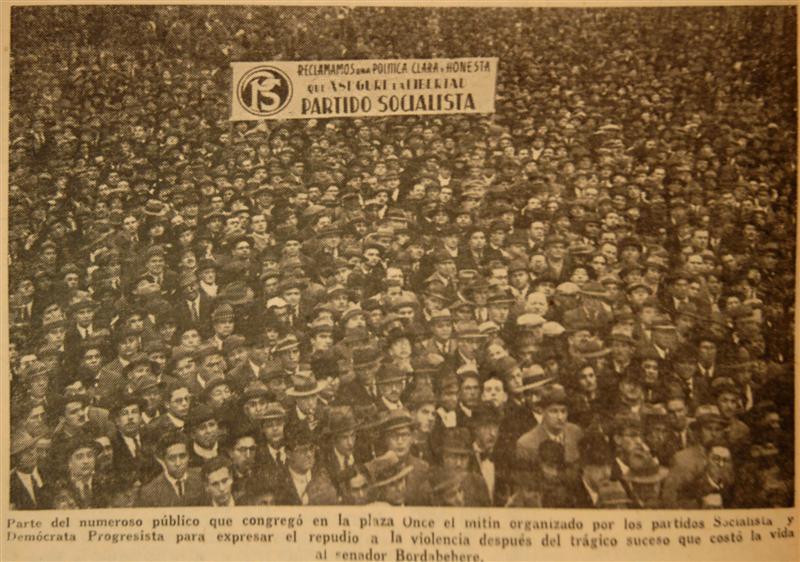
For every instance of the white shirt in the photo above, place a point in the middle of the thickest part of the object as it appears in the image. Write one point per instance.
(448, 418)
(204, 453)
(278, 455)
(487, 470)
(344, 461)
(28, 480)
(592, 494)
(177, 422)
(391, 405)
(84, 332)
(300, 482)
(133, 444)
(174, 484)
(210, 290)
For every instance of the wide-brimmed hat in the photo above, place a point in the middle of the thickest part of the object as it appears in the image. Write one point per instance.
(396, 419)
(389, 373)
(386, 469)
(457, 440)
(304, 384)
(533, 378)
(366, 356)
(341, 419)
(707, 414)
(556, 395)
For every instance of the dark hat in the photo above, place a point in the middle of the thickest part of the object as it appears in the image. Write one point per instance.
(534, 377)
(387, 469)
(198, 415)
(485, 414)
(457, 440)
(708, 414)
(596, 449)
(298, 435)
(388, 373)
(22, 441)
(555, 395)
(286, 344)
(341, 419)
(364, 356)
(255, 389)
(644, 468)
(396, 419)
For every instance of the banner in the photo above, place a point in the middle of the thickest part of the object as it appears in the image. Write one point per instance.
(360, 88)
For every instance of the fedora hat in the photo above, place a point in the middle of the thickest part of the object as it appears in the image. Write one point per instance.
(304, 384)
(386, 469)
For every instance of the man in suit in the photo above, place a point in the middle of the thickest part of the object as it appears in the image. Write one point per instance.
(156, 271)
(272, 453)
(78, 457)
(303, 481)
(306, 411)
(689, 463)
(597, 458)
(484, 424)
(111, 375)
(336, 456)
(27, 483)
(217, 478)
(193, 309)
(554, 426)
(457, 455)
(396, 430)
(80, 329)
(177, 485)
(362, 391)
(130, 449)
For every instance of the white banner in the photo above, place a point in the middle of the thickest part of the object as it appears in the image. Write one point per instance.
(359, 88)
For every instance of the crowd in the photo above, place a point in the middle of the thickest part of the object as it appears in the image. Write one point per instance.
(585, 299)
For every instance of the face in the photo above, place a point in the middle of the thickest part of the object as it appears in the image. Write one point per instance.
(555, 418)
(424, 418)
(456, 462)
(494, 393)
(728, 404)
(219, 485)
(243, 454)
(677, 414)
(399, 441)
(486, 436)
(470, 392)
(587, 380)
(301, 458)
(81, 464)
(179, 402)
(206, 434)
(345, 442)
(76, 415)
(272, 429)
(391, 390)
(129, 420)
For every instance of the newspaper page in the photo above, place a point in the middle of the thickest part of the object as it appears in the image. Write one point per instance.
(422, 283)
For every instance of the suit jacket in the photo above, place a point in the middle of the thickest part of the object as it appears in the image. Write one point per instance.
(183, 315)
(687, 466)
(241, 375)
(330, 463)
(144, 463)
(418, 487)
(21, 498)
(110, 379)
(98, 497)
(160, 493)
(320, 489)
(528, 444)
(354, 394)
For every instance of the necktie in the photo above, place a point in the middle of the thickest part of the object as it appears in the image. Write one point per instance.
(134, 448)
(484, 456)
(180, 488)
(195, 313)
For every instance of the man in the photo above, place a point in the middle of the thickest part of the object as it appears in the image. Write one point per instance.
(222, 323)
(441, 328)
(217, 478)
(129, 448)
(389, 476)
(306, 412)
(26, 487)
(597, 458)
(691, 462)
(78, 458)
(202, 426)
(362, 391)
(177, 400)
(193, 310)
(302, 481)
(177, 485)
(484, 425)
(391, 382)
(272, 455)
(110, 377)
(396, 429)
(82, 310)
(336, 456)
(554, 426)
(457, 454)
(241, 448)
(728, 398)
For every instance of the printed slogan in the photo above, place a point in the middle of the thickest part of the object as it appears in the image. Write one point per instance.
(360, 88)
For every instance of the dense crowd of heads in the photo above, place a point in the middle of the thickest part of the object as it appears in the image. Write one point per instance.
(584, 299)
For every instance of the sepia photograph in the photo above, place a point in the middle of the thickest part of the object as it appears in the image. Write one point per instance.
(447, 257)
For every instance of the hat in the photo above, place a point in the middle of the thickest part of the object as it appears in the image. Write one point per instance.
(612, 494)
(594, 289)
(468, 331)
(386, 469)
(22, 441)
(365, 356)
(396, 419)
(81, 302)
(568, 288)
(722, 385)
(233, 342)
(186, 279)
(286, 344)
(198, 415)
(255, 389)
(556, 395)
(389, 373)
(485, 414)
(707, 414)
(530, 320)
(222, 313)
(534, 377)
(457, 440)
(304, 384)
(421, 395)
(596, 449)
(341, 419)
(298, 435)
(274, 411)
